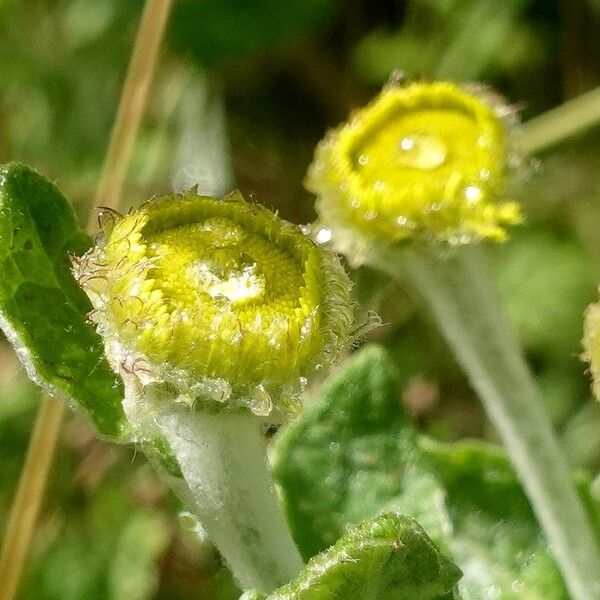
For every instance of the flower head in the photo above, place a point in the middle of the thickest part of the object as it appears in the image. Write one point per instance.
(221, 298)
(591, 344)
(424, 160)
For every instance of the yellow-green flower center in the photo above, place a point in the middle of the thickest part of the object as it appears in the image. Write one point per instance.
(218, 290)
(216, 264)
(591, 344)
(423, 160)
(420, 151)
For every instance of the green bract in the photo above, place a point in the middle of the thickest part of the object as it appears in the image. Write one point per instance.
(220, 298)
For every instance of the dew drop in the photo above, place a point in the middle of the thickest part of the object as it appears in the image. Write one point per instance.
(240, 284)
(473, 194)
(189, 522)
(323, 235)
(422, 151)
(363, 160)
(260, 402)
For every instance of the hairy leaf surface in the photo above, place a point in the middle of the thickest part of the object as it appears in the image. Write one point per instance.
(354, 453)
(42, 309)
(389, 557)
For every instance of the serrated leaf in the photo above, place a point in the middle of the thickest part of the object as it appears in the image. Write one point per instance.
(354, 453)
(42, 309)
(389, 557)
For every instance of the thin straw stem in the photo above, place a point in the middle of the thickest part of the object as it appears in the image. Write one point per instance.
(131, 107)
(34, 475)
(29, 494)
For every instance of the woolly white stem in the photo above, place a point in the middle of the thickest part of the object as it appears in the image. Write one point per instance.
(224, 465)
(464, 303)
(226, 482)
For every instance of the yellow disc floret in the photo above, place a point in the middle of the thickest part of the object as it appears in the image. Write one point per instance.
(591, 344)
(219, 297)
(424, 160)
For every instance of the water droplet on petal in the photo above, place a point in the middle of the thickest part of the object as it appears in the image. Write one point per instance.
(473, 194)
(323, 235)
(422, 151)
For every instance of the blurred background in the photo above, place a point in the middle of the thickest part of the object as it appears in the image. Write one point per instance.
(243, 92)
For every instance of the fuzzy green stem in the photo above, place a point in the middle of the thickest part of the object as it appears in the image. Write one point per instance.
(464, 302)
(227, 484)
(560, 123)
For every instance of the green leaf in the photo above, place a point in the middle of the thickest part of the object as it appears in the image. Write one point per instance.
(42, 309)
(353, 453)
(496, 538)
(387, 558)
(353, 447)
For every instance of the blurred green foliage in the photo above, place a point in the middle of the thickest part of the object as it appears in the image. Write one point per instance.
(265, 79)
(354, 453)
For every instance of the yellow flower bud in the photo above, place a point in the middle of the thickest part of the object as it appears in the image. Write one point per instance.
(591, 344)
(220, 298)
(424, 160)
